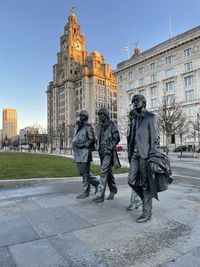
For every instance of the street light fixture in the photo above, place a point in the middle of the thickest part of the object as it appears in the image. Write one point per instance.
(198, 130)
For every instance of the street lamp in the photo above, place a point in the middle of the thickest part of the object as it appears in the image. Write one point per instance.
(198, 130)
(61, 132)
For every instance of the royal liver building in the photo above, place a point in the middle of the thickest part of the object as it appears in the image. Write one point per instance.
(81, 80)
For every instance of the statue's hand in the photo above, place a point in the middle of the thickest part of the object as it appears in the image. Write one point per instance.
(80, 145)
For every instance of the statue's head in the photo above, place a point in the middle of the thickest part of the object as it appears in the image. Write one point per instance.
(103, 114)
(83, 115)
(138, 101)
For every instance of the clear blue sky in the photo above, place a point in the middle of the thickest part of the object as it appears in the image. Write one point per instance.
(30, 32)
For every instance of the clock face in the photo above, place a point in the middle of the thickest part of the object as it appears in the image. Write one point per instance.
(78, 45)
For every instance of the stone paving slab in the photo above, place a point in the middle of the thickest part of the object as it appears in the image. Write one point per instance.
(75, 252)
(98, 213)
(191, 258)
(54, 200)
(3, 195)
(21, 192)
(57, 220)
(38, 253)
(8, 207)
(14, 229)
(27, 204)
(6, 259)
(118, 245)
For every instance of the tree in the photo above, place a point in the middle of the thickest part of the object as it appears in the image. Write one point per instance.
(123, 126)
(41, 129)
(182, 131)
(194, 130)
(171, 118)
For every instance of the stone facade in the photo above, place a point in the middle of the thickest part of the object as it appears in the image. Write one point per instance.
(170, 69)
(81, 80)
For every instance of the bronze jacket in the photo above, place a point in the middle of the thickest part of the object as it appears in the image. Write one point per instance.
(83, 142)
(108, 138)
(159, 172)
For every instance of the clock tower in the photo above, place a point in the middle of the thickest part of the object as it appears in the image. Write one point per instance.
(72, 42)
(81, 80)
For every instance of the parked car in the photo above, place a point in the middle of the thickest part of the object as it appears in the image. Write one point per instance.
(120, 148)
(180, 148)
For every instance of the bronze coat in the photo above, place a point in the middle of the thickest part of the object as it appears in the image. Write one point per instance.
(110, 133)
(146, 135)
(84, 137)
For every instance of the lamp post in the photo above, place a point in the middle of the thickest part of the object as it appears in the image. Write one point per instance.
(198, 130)
(61, 132)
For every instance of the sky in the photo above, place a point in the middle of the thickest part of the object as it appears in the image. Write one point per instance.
(30, 32)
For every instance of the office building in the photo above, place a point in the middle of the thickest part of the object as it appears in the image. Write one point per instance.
(170, 69)
(9, 122)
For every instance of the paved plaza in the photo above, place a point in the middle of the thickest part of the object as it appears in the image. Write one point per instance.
(46, 226)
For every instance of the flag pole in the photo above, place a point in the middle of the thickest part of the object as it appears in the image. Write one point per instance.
(170, 27)
(126, 49)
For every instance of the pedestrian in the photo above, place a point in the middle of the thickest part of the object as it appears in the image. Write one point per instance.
(107, 140)
(83, 145)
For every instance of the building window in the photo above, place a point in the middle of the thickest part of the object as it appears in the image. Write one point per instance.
(153, 66)
(154, 91)
(188, 81)
(141, 82)
(131, 86)
(154, 102)
(188, 66)
(169, 73)
(189, 95)
(153, 78)
(189, 111)
(171, 99)
(170, 86)
(169, 59)
(120, 79)
(131, 96)
(130, 75)
(188, 52)
(142, 92)
(141, 71)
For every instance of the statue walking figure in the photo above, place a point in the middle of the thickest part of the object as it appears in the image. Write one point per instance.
(149, 171)
(108, 139)
(135, 200)
(83, 145)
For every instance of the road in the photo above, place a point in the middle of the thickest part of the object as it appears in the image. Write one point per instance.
(185, 170)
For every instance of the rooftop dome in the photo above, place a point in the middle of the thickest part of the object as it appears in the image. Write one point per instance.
(96, 53)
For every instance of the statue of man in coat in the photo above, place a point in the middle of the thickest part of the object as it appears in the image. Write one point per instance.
(135, 200)
(83, 145)
(150, 170)
(108, 140)
(143, 140)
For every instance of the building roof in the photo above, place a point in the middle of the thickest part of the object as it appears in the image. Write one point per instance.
(161, 48)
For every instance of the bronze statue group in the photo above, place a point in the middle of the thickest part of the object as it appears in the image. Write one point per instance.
(149, 171)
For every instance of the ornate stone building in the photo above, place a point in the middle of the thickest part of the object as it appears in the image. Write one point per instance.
(170, 69)
(81, 80)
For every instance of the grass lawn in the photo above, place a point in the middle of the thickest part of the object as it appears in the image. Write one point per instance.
(27, 165)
